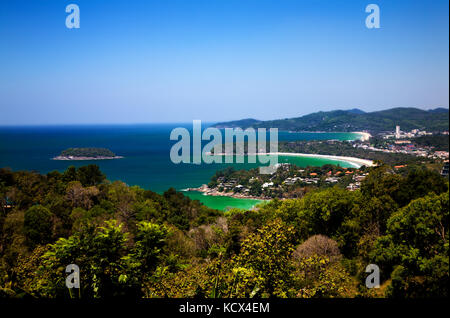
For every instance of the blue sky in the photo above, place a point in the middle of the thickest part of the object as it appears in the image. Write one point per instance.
(214, 60)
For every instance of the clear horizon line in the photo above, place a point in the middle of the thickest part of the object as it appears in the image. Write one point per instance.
(103, 124)
(188, 122)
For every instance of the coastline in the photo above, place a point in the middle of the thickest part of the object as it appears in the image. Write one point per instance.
(364, 135)
(205, 190)
(223, 203)
(356, 162)
(214, 193)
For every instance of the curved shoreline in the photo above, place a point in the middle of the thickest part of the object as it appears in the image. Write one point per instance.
(357, 162)
(205, 190)
(364, 135)
(222, 202)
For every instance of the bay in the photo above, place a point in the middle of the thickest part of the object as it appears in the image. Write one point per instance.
(146, 152)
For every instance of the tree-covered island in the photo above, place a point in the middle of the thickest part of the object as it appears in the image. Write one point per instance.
(87, 154)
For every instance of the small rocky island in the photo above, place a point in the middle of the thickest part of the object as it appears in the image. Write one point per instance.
(87, 154)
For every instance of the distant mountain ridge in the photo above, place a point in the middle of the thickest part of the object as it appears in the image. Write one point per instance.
(354, 120)
(248, 122)
(355, 111)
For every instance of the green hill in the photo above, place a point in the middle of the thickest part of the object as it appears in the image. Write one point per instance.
(351, 120)
(238, 123)
(88, 152)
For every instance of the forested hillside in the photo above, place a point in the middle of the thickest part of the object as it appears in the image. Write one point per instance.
(342, 121)
(131, 242)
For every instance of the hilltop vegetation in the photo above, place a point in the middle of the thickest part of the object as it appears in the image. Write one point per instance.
(131, 242)
(88, 152)
(346, 121)
(238, 123)
(437, 142)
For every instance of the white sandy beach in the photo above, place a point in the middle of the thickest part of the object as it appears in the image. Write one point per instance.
(364, 135)
(357, 162)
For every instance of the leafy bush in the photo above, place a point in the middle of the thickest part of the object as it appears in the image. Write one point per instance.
(319, 245)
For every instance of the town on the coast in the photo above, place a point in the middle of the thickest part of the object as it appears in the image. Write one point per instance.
(398, 148)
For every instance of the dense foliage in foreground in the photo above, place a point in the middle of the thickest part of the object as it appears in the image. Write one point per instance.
(132, 242)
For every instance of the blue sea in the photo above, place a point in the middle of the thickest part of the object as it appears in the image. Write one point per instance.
(146, 152)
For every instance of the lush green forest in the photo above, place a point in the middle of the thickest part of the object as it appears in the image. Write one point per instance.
(342, 120)
(132, 242)
(437, 142)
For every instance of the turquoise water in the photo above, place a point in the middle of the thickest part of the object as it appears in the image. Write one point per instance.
(145, 148)
(223, 202)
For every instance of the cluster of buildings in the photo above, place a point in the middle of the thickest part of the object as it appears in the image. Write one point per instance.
(356, 184)
(396, 143)
(440, 155)
(407, 147)
(399, 144)
(314, 178)
(291, 181)
(399, 134)
(230, 184)
(301, 177)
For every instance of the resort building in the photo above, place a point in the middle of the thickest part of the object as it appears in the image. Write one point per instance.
(397, 132)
